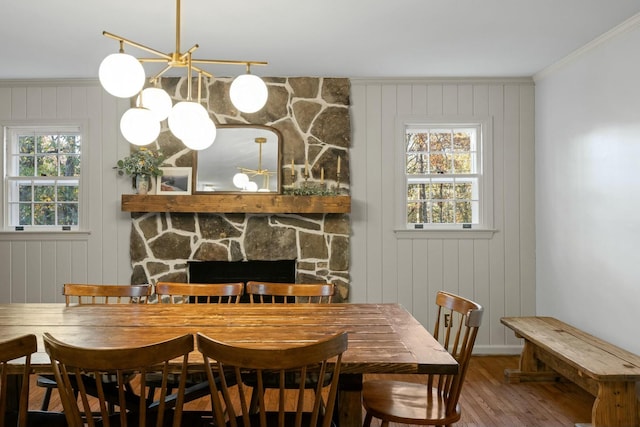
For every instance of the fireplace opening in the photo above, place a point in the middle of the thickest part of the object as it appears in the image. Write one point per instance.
(283, 271)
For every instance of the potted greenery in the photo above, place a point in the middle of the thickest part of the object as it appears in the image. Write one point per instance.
(141, 165)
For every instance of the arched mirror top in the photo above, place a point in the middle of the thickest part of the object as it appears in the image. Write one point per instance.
(243, 158)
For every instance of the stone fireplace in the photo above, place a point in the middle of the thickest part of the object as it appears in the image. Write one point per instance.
(313, 116)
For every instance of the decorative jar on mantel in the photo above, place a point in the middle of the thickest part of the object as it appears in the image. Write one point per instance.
(143, 183)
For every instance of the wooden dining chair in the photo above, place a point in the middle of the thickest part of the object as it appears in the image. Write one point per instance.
(196, 293)
(77, 293)
(83, 370)
(90, 293)
(436, 402)
(16, 390)
(285, 293)
(231, 406)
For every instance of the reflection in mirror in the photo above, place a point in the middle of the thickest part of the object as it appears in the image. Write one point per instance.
(242, 158)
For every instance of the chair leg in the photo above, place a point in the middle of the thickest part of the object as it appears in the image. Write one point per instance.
(253, 406)
(151, 395)
(46, 399)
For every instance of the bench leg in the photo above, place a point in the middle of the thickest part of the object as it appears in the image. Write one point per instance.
(616, 405)
(530, 369)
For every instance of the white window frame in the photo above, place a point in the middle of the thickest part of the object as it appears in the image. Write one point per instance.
(9, 128)
(484, 227)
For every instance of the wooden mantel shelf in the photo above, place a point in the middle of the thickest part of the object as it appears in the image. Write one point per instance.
(236, 203)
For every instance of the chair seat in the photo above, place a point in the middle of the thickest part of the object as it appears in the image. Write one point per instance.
(46, 381)
(406, 402)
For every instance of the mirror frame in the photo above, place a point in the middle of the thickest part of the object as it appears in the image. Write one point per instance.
(253, 159)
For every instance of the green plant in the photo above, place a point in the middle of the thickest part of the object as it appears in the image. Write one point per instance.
(141, 162)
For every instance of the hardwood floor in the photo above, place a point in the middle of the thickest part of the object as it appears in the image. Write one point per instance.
(486, 401)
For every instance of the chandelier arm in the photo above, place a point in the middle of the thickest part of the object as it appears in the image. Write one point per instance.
(183, 56)
(228, 62)
(200, 70)
(143, 60)
(138, 45)
(158, 75)
(169, 66)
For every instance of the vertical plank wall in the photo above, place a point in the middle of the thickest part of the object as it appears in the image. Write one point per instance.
(33, 266)
(498, 272)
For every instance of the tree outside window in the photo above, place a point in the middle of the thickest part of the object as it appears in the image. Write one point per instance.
(442, 175)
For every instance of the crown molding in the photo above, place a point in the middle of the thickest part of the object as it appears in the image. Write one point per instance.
(627, 25)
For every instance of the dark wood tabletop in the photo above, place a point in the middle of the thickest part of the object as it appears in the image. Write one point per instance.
(383, 338)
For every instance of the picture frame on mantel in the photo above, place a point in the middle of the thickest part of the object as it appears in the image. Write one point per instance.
(174, 180)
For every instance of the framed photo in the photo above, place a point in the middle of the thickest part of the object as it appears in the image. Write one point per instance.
(174, 180)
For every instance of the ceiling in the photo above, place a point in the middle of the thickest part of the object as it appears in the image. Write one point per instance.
(333, 38)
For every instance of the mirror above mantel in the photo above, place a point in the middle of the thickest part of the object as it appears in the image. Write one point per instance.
(251, 150)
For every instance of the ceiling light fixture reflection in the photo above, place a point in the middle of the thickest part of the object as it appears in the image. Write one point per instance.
(242, 180)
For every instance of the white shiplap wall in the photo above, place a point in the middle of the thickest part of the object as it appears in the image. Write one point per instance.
(498, 272)
(33, 267)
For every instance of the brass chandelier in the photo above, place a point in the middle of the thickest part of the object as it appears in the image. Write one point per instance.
(122, 75)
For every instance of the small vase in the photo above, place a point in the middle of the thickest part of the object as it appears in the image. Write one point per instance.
(142, 184)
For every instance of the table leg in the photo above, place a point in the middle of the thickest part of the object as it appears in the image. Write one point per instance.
(615, 405)
(349, 404)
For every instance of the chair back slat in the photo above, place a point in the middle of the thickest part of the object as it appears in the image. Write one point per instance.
(89, 293)
(272, 292)
(195, 293)
(231, 365)
(104, 373)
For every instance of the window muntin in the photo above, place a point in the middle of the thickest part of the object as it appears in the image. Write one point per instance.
(442, 170)
(42, 175)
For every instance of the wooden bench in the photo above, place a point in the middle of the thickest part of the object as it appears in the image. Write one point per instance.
(552, 347)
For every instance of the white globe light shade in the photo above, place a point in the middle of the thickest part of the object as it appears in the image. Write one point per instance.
(139, 126)
(206, 135)
(248, 93)
(121, 74)
(251, 186)
(156, 100)
(184, 119)
(240, 180)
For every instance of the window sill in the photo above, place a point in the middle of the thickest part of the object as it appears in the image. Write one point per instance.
(473, 233)
(9, 235)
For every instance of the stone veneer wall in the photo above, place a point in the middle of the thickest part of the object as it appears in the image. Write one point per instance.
(313, 117)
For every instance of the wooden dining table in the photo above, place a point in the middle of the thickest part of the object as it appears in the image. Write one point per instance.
(383, 338)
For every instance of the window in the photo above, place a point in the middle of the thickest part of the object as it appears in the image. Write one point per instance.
(42, 177)
(444, 185)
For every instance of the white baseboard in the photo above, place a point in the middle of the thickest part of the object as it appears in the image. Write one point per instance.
(496, 350)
